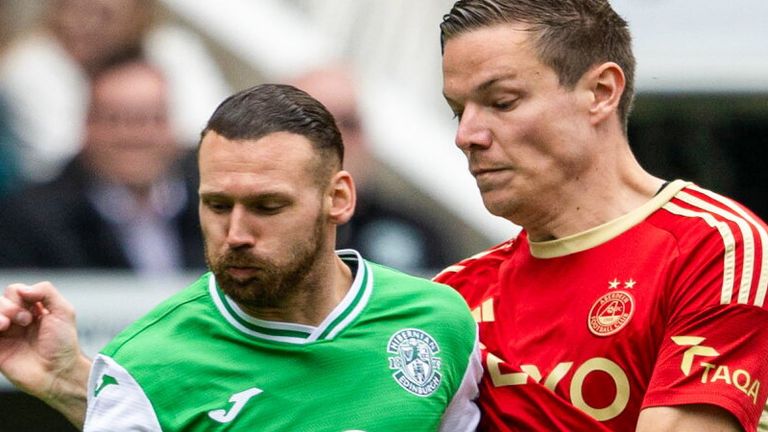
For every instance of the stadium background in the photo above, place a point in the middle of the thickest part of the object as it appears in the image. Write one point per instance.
(701, 114)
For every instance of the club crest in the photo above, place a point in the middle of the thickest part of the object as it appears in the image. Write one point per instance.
(417, 370)
(611, 313)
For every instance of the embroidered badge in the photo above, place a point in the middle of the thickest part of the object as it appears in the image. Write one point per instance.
(611, 313)
(417, 370)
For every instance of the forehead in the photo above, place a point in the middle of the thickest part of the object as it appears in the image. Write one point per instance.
(84, 10)
(481, 56)
(280, 158)
(131, 86)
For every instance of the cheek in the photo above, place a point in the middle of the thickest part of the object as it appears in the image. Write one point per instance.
(545, 141)
(568, 148)
(302, 227)
(523, 141)
(213, 229)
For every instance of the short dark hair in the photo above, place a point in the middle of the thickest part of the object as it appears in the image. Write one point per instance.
(258, 111)
(571, 36)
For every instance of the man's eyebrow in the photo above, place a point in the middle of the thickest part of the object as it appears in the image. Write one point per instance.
(487, 84)
(248, 198)
(205, 196)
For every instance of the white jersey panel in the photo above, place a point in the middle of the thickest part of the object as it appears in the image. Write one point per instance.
(463, 413)
(116, 402)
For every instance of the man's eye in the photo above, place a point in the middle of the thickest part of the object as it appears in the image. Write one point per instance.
(217, 207)
(270, 208)
(504, 104)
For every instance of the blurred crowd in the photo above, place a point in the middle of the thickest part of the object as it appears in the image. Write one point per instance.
(101, 105)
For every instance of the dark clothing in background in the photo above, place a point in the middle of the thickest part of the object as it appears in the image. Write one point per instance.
(392, 236)
(9, 158)
(55, 225)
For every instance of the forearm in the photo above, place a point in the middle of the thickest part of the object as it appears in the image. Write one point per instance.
(67, 392)
(698, 418)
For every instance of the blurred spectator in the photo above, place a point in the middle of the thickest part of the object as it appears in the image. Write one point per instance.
(127, 200)
(387, 232)
(45, 74)
(9, 169)
(9, 163)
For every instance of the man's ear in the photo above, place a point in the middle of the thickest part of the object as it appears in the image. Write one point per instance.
(606, 83)
(341, 197)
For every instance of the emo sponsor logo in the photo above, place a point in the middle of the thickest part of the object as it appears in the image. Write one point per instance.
(610, 313)
(417, 370)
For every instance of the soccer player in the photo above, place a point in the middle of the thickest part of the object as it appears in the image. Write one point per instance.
(627, 302)
(284, 333)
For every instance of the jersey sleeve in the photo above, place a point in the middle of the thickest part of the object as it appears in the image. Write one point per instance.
(463, 413)
(116, 402)
(475, 276)
(715, 346)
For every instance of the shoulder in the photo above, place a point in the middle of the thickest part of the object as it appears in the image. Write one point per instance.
(695, 212)
(401, 297)
(419, 309)
(153, 330)
(476, 274)
(695, 217)
(410, 288)
(715, 237)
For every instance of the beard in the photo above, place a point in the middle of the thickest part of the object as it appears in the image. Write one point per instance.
(275, 283)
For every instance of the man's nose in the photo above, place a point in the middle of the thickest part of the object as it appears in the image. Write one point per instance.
(473, 130)
(241, 229)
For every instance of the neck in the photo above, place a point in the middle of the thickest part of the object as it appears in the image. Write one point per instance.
(322, 290)
(613, 186)
(141, 194)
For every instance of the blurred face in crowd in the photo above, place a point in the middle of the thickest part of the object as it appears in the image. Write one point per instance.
(265, 209)
(128, 134)
(92, 31)
(335, 88)
(524, 135)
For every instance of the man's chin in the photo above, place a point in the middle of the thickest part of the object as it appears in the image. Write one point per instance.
(229, 282)
(243, 292)
(251, 297)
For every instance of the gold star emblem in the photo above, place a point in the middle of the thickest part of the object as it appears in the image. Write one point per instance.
(630, 283)
(613, 284)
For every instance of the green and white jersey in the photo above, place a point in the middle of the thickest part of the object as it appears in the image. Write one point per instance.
(398, 353)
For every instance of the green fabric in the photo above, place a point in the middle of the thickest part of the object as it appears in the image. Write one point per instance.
(190, 360)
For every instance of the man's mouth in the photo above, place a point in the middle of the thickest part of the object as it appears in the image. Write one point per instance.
(476, 172)
(242, 272)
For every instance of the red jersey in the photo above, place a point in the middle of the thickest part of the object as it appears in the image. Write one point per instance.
(664, 306)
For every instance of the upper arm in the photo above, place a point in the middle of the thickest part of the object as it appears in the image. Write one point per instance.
(712, 353)
(698, 418)
(463, 414)
(116, 401)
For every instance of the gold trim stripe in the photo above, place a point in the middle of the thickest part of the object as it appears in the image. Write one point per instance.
(600, 234)
(762, 285)
(748, 264)
(487, 311)
(729, 269)
(453, 268)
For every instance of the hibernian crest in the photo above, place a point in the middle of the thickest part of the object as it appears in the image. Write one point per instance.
(417, 368)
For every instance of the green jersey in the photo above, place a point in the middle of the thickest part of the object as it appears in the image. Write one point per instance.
(397, 353)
